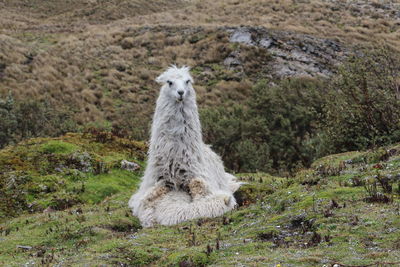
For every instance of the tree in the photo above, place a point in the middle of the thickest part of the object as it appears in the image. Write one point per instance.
(8, 121)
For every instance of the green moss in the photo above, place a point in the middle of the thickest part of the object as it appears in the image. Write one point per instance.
(250, 193)
(62, 172)
(91, 224)
(125, 224)
(98, 187)
(335, 160)
(135, 256)
(58, 147)
(190, 257)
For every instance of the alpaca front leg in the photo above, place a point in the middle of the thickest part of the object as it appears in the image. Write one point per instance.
(144, 202)
(158, 192)
(198, 189)
(177, 206)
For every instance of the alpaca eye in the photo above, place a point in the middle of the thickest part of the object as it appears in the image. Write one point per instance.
(169, 83)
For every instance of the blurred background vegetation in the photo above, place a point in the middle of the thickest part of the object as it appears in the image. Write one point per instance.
(279, 83)
(285, 126)
(281, 127)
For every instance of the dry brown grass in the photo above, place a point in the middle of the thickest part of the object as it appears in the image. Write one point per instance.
(101, 57)
(99, 73)
(324, 18)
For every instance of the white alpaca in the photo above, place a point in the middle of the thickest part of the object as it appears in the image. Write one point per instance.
(184, 179)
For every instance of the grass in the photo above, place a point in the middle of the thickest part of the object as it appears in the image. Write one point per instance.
(62, 172)
(58, 147)
(99, 59)
(98, 187)
(66, 197)
(287, 221)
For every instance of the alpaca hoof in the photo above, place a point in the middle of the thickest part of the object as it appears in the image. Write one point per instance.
(197, 187)
(227, 200)
(223, 198)
(156, 194)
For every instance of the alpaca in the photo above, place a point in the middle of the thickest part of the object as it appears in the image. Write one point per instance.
(184, 179)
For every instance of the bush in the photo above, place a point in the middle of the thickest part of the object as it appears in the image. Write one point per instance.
(274, 131)
(223, 129)
(285, 126)
(363, 110)
(42, 119)
(30, 118)
(8, 121)
(285, 117)
(228, 132)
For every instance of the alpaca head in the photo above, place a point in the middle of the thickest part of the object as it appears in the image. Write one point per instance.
(177, 84)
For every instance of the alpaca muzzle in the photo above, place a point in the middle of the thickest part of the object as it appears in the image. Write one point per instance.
(180, 95)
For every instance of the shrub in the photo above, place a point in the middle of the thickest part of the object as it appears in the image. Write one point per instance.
(285, 117)
(363, 110)
(223, 129)
(42, 119)
(8, 121)
(285, 126)
(276, 130)
(31, 118)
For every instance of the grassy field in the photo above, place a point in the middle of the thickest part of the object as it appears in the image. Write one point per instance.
(63, 200)
(99, 58)
(63, 211)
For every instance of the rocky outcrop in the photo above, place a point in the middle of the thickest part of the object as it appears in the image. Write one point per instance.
(129, 166)
(367, 8)
(293, 54)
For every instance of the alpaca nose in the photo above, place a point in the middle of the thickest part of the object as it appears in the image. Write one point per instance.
(180, 93)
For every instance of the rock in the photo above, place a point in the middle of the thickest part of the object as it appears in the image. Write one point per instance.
(127, 43)
(293, 54)
(242, 35)
(129, 166)
(348, 161)
(48, 210)
(266, 42)
(232, 61)
(24, 247)
(82, 161)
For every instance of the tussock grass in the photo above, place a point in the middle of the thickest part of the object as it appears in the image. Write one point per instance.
(100, 57)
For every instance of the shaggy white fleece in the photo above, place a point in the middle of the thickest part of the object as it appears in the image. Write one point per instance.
(184, 179)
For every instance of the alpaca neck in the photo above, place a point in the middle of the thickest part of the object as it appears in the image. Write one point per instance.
(176, 143)
(177, 122)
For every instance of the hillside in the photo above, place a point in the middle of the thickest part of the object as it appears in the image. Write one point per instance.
(282, 87)
(99, 58)
(65, 204)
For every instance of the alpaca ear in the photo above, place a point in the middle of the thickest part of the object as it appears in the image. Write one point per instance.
(161, 79)
(187, 69)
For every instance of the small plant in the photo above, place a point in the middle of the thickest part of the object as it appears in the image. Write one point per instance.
(100, 167)
(99, 135)
(357, 181)
(373, 195)
(327, 170)
(385, 183)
